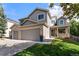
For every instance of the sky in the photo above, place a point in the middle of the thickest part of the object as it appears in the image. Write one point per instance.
(17, 11)
(56, 10)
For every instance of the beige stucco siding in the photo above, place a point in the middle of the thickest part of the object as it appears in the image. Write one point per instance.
(28, 23)
(48, 20)
(34, 15)
(8, 30)
(32, 34)
(46, 32)
(15, 35)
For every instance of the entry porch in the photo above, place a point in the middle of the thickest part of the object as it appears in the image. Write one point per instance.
(60, 31)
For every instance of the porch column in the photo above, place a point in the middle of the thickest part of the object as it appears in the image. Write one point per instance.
(19, 34)
(57, 32)
(67, 31)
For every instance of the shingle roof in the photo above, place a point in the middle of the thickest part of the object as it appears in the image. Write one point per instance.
(13, 21)
(41, 9)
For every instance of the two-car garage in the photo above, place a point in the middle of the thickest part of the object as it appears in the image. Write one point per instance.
(31, 34)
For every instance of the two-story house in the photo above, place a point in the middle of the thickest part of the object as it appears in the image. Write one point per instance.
(9, 24)
(40, 26)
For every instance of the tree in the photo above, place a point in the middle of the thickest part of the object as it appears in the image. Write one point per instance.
(74, 27)
(70, 9)
(2, 22)
(2, 27)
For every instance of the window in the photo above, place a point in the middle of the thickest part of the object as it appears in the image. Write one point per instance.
(61, 30)
(61, 22)
(40, 16)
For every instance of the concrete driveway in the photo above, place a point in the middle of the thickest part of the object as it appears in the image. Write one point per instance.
(9, 47)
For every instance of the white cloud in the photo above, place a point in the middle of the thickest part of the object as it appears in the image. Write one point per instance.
(56, 11)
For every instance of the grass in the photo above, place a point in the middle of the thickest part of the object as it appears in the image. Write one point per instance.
(58, 47)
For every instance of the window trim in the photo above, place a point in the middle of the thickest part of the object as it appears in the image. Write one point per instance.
(60, 22)
(40, 19)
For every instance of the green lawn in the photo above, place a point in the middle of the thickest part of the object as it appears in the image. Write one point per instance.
(58, 47)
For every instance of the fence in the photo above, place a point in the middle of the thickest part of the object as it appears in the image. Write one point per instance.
(76, 38)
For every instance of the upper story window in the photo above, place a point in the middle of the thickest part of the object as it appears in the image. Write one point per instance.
(61, 22)
(40, 17)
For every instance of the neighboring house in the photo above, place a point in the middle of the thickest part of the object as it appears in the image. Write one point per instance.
(9, 24)
(40, 26)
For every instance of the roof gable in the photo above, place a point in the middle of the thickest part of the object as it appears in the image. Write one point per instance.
(28, 21)
(12, 21)
(44, 10)
(62, 17)
(40, 9)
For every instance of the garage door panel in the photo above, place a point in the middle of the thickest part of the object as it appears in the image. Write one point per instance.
(30, 34)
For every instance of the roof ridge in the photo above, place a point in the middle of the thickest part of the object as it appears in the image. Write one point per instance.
(12, 20)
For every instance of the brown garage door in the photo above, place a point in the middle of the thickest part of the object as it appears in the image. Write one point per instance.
(32, 34)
